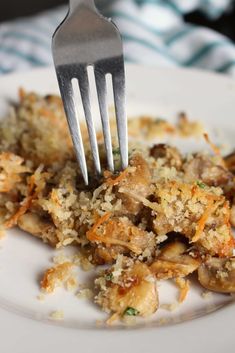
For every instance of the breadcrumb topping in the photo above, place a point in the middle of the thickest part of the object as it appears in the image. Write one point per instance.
(166, 216)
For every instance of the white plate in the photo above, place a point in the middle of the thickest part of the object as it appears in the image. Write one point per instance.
(199, 324)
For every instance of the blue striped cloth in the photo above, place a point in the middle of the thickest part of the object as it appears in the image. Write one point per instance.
(153, 31)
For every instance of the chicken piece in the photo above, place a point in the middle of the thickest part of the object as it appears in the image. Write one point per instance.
(170, 155)
(128, 291)
(207, 169)
(137, 182)
(173, 263)
(37, 226)
(200, 214)
(230, 162)
(218, 275)
(118, 236)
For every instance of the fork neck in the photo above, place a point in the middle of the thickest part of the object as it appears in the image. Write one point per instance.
(73, 4)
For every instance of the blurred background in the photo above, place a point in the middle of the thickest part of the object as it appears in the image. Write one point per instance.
(225, 23)
(189, 33)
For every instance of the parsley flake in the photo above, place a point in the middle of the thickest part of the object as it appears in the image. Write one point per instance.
(131, 311)
(116, 151)
(201, 184)
(109, 277)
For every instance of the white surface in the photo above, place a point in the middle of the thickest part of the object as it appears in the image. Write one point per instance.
(24, 323)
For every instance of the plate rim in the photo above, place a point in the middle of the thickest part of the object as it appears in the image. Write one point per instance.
(216, 321)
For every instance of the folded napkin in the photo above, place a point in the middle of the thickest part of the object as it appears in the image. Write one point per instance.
(153, 31)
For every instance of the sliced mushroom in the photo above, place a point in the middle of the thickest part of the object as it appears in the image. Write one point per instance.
(218, 275)
(172, 262)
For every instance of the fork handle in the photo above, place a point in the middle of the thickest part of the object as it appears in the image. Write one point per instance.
(73, 4)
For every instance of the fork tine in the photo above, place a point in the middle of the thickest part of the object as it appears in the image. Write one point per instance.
(118, 77)
(67, 95)
(102, 98)
(83, 82)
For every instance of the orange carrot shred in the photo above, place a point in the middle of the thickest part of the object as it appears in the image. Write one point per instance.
(202, 221)
(93, 236)
(214, 148)
(122, 175)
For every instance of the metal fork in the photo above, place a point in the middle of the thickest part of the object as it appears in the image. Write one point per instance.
(85, 38)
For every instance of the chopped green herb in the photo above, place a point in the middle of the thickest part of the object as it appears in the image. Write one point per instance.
(159, 120)
(116, 151)
(109, 277)
(131, 311)
(201, 184)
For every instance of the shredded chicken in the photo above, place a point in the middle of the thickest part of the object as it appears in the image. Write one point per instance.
(118, 236)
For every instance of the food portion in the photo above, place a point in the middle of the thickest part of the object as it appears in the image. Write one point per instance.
(167, 216)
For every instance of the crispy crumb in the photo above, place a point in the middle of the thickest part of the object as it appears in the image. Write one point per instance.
(86, 265)
(71, 284)
(60, 258)
(56, 276)
(163, 321)
(129, 320)
(99, 323)
(57, 315)
(206, 295)
(170, 307)
(85, 293)
(41, 297)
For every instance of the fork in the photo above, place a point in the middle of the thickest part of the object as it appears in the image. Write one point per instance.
(85, 38)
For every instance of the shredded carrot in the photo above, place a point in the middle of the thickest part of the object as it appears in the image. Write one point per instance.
(184, 287)
(122, 175)
(22, 210)
(55, 198)
(202, 221)
(93, 236)
(48, 114)
(26, 204)
(214, 148)
(226, 249)
(100, 221)
(112, 241)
